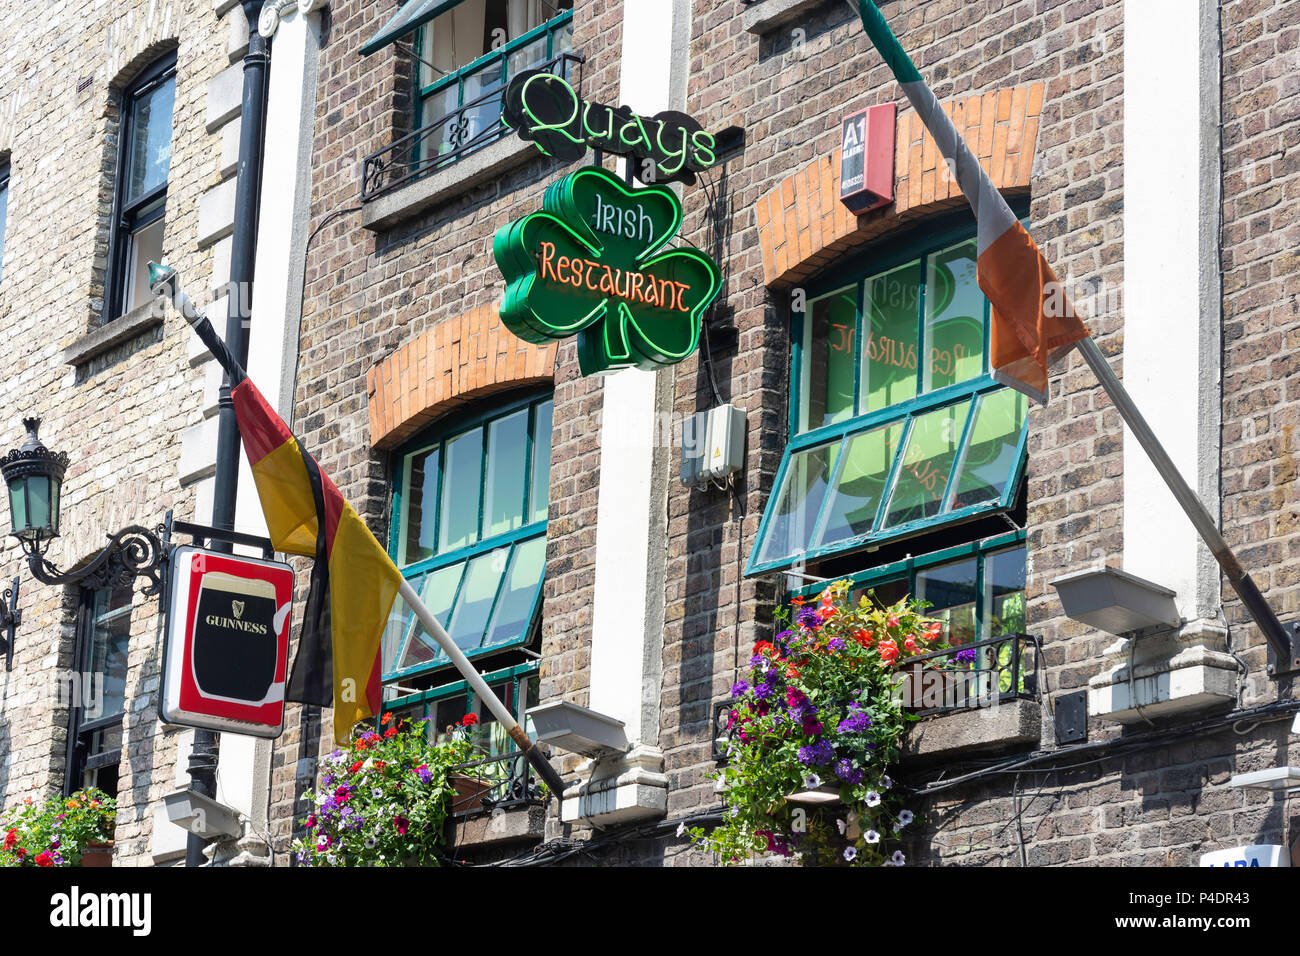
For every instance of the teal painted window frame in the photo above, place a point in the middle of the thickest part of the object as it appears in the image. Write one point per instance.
(423, 93)
(855, 273)
(518, 675)
(451, 428)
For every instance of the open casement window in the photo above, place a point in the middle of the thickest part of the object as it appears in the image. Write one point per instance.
(140, 192)
(470, 503)
(978, 591)
(95, 712)
(897, 427)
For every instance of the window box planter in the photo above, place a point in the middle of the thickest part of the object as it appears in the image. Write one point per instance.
(470, 792)
(97, 855)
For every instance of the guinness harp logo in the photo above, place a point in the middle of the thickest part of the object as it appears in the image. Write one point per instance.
(237, 608)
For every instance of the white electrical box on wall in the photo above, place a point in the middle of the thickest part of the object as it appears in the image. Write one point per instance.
(713, 444)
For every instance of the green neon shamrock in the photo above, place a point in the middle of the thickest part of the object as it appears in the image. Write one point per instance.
(590, 264)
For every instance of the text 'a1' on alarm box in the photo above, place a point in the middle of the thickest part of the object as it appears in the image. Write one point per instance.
(867, 158)
(227, 643)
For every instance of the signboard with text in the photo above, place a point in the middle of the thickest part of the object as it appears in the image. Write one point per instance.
(227, 642)
(593, 263)
(547, 111)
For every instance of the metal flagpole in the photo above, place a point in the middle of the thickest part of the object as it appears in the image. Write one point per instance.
(481, 689)
(1279, 637)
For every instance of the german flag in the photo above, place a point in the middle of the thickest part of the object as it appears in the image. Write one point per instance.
(353, 581)
(1033, 321)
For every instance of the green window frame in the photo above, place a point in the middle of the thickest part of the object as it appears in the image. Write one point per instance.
(438, 98)
(469, 532)
(906, 435)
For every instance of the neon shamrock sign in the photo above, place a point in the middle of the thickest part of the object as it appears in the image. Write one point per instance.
(592, 263)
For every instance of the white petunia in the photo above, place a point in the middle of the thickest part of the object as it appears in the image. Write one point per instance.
(904, 817)
(898, 859)
(886, 782)
(873, 799)
(841, 825)
(681, 830)
(872, 836)
(812, 781)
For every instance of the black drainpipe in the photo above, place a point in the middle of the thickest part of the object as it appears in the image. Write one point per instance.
(252, 128)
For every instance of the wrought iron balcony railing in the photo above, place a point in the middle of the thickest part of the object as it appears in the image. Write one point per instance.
(449, 138)
(502, 782)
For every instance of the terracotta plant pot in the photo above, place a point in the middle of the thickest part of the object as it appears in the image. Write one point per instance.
(470, 792)
(97, 855)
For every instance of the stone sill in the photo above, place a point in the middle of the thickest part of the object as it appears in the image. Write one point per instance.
(483, 165)
(500, 826)
(135, 323)
(1009, 725)
(767, 15)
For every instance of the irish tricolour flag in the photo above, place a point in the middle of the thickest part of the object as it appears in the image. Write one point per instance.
(1033, 321)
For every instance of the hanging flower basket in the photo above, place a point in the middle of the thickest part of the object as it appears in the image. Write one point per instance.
(815, 728)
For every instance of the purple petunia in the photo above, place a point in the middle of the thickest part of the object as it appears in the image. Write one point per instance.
(855, 723)
(845, 770)
(763, 691)
(965, 657)
(809, 617)
(816, 755)
(424, 773)
(738, 689)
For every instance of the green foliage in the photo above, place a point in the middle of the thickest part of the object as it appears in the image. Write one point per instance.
(822, 709)
(57, 832)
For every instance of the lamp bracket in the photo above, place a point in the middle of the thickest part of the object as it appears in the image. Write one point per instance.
(1290, 666)
(134, 551)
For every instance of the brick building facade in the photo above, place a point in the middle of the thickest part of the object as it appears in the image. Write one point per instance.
(1150, 150)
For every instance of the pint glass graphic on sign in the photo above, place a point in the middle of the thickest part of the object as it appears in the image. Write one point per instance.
(227, 642)
(235, 639)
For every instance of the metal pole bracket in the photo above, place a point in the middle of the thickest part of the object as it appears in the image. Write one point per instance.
(1291, 666)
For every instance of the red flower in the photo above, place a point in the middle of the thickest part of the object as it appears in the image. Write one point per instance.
(379, 765)
(469, 720)
(401, 823)
(356, 766)
(888, 651)
(10, 839)
(797, 601)
(360, 744)
(390, 732)
(910, 643)
(387, 718)
(765, 647)
(44, 859)
(311, 821)
(893, 622)
(864, 637)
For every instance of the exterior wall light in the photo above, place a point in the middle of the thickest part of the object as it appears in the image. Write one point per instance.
(34, 476)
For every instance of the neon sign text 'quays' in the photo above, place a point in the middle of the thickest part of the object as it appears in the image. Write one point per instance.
(547, 111)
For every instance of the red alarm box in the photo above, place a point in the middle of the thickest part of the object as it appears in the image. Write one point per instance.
(867, 158)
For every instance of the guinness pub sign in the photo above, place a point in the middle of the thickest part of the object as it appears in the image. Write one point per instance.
(227, 642)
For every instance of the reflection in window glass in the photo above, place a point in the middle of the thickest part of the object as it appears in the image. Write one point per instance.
(990, 455)
(927, 460)
(861, 483)
(419, 499)
(108, 649)
(889, 358)
(799, 501)
(541, 483)
(438, 592)
(478, 593)
(951, 591)
(827, 395)
(461, 490)
(503, 508)
(1004, 593)
(883, 594)
(514, 610)
(954, 317)
(151, 140)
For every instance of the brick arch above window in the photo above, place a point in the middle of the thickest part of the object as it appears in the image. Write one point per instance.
(803, 226)
(459, 360)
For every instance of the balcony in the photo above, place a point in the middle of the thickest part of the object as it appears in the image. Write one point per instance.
(465, 146)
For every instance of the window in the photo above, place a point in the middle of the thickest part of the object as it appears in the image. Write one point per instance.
(140, 196)
(470, 503)
(4, 212)
(468, 54)
(99, 689)
(896, 426)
